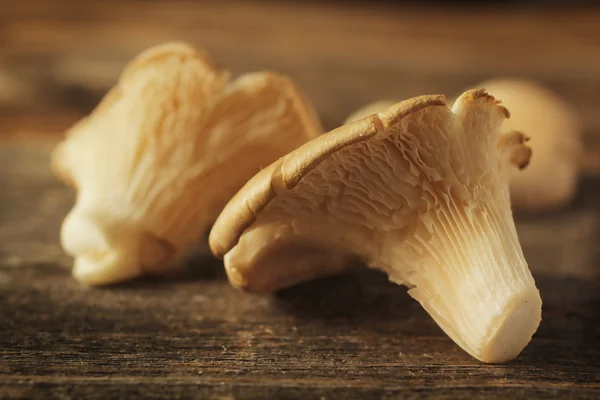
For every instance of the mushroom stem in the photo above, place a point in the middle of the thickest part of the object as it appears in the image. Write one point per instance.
(472, 278)
(418, 191)
(110, 248)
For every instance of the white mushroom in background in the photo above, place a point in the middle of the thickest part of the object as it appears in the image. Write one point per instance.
(550, 181)
(369, 109)
(418, 191)
(159, 158)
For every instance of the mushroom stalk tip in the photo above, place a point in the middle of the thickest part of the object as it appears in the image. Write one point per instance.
(471, 277)
(110, 249)
(513, 330)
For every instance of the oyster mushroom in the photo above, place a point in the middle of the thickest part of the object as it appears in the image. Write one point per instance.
(369, 109)
(418, 191)
(550, 180)
(158, 159)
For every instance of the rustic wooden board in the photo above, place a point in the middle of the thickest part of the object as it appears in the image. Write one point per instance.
(353, 336)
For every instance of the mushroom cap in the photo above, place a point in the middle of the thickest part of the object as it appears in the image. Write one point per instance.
(369, 109)
(285, 173)
(152, 72)
(550, 180)
(418, 191)
(163, 153)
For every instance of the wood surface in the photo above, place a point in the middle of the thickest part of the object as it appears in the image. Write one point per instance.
(346, 337)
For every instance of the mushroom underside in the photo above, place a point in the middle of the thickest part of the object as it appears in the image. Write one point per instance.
(424, 200)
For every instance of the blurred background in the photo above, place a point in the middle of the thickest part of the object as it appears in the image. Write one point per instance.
(57, 58)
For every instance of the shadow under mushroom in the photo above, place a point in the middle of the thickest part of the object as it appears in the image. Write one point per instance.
(362, 298)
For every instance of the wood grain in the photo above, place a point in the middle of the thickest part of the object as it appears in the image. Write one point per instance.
(347, 337)
(353, 336)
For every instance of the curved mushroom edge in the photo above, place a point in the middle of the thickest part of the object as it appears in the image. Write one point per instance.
(168, 49)
(285, 173)
(59, 164)
(369, 109)
(308, 116)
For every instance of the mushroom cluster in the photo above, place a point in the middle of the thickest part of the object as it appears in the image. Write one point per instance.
(158, 159)
(419, 191)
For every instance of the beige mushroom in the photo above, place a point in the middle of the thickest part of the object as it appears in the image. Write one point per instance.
(369, 109)
(162, 154)
(418, 191)
(551, 179)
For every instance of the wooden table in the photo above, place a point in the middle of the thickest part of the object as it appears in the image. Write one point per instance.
(352, 336)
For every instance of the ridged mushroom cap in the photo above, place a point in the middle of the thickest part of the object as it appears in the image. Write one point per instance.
(418, 191)
(163, 152)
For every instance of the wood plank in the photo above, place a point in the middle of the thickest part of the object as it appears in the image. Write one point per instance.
(351, 336)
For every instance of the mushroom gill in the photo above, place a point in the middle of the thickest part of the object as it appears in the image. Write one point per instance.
(164, 151)
(418, 191)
